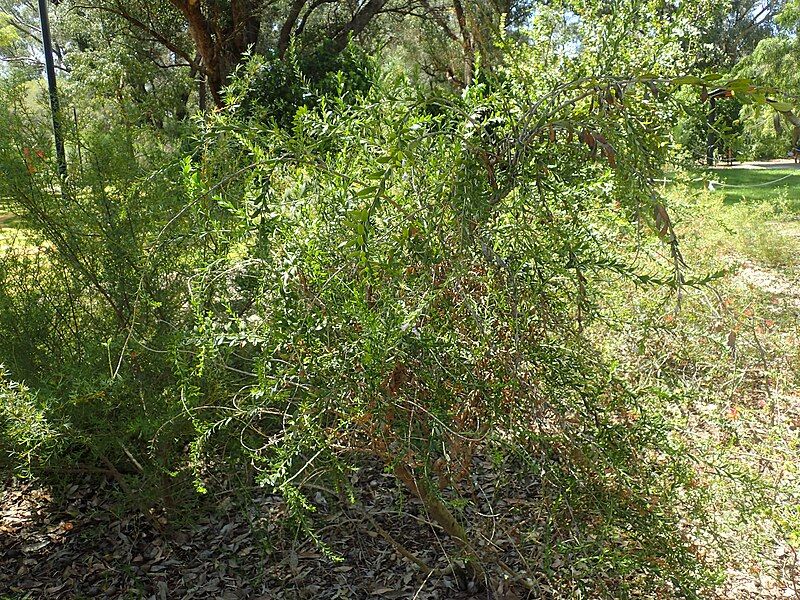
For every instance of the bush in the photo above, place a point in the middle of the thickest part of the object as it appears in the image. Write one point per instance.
(376, 280)
(277, 88)
(411, 285)
(87, 283)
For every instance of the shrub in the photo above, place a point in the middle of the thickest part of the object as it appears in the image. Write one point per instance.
(373, 279)
(411, 285)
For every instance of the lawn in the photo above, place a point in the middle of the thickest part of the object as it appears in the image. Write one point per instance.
(754, 185)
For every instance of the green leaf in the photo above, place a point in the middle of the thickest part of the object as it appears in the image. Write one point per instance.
(688, 80)
(780, 106)
(367, 191)
(739, 84)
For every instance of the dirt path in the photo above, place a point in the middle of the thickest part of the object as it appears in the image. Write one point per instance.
(775, 163)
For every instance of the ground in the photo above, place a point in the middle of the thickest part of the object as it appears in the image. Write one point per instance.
(733, 350)
(732, 345)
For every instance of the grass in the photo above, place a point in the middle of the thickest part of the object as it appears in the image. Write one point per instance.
(14, 238)
(756, 217)
(726, 359)
(754, 185)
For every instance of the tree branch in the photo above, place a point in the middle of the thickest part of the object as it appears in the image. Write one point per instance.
(357, 24)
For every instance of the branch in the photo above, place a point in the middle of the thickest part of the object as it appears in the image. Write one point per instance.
(121, 12)
(285, 36)
(304, 19)
(357, 24)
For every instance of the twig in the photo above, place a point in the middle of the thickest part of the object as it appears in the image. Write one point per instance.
(397, 545)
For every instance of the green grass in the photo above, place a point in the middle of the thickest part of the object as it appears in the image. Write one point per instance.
(12, 236)
(755, 185)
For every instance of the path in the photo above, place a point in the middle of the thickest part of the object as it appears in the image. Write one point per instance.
(775, 163)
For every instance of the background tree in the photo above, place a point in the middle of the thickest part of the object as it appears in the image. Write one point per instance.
(775, 62)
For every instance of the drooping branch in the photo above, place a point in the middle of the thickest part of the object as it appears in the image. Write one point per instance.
(120, 10)
(437, 17)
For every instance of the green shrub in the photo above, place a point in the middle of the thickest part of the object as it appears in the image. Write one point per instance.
(377, 279)
(277, 88)
(411, 285)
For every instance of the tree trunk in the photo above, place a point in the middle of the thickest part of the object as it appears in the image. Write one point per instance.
(285, 36)
(220, 47)
(466, 42)
(442, 515)
(200, 30)
(357, 24)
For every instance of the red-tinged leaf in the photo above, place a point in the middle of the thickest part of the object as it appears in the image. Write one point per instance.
(611, 154)
(663, 222)
(777, 123)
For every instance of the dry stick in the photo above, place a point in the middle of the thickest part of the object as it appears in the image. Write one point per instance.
(442, 515)
(765, 365)
(120, 479)
(397, 545)
(132, 458)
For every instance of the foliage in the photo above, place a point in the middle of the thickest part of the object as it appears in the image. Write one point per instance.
(277, 88)
(24, 429)
(361, 303)
(344, 265)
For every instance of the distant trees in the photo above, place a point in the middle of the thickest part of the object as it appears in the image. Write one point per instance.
(211, 37)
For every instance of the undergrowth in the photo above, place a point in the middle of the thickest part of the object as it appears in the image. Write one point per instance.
(726, 359)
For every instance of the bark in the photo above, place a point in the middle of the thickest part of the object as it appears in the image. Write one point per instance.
(357, 24)
(285, 36)
(466, 42)
(221, 48)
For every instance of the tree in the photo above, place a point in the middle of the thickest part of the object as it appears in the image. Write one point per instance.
(775, 62)
(734, 28)
(222, 32)
(21, 40)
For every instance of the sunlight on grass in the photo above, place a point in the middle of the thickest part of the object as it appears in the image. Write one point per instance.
(754, 185)
(728, 360)
(13, 238)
